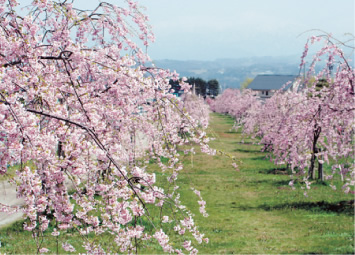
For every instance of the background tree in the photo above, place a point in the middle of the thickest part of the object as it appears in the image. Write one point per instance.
(203, 88)
(213, 87)
(246, 83)
(196, 107)
(198, 85)
(175, 87)
(236, 103)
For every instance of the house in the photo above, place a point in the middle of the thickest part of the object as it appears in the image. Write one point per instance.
(266, 85)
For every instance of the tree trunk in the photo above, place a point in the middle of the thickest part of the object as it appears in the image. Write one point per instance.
(60, 151)
(316, 134)
(320, 168)
(320, 172)
(287, 167)
(311, 166)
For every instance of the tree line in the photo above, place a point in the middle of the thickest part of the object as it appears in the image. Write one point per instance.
(307, 126)
(200, 87)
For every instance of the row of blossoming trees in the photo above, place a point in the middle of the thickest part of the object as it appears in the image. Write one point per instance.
(309, 125)
(82, 116)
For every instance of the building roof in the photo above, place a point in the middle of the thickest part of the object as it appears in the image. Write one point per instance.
(271, 82)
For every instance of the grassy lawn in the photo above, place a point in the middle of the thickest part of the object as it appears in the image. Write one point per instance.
(251, 211)
(255, 211)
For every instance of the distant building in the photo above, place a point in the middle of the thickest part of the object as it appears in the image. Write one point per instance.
(266, 85)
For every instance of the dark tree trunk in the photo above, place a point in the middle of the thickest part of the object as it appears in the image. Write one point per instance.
(60, 151)
(316, 134)
(320, 168)
(320, 172)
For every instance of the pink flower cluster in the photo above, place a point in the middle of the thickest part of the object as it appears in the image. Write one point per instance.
(201, 202)
(80, 108)
(237, 104)
(309, 125)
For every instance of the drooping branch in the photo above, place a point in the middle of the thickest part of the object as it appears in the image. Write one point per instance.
(101, 146)
(64, 55)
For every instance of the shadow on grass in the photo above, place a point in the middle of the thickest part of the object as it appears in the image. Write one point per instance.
(285, 184)
(259, 158)
(340, 207)
(277, 183)
(277, 171)
(231, 132)
(248, 150)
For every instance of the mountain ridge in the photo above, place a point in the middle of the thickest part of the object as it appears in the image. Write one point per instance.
(232, 72)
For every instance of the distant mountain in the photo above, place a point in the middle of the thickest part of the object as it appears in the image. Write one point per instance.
(232, 72)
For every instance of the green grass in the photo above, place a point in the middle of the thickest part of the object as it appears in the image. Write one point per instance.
(11, 170)
(253, 210)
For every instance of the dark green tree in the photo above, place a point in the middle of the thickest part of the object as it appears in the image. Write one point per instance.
(199, 85)
(175, 85)
(213, 87)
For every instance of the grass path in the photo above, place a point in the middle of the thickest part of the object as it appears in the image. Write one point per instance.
(255, 211)
(251, 211)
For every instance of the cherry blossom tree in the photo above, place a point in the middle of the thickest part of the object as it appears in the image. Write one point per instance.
(240, 106)
(314, 122)
(196, 107)
(222, 104)
(77, 101)
(310, 124)
(236, 103)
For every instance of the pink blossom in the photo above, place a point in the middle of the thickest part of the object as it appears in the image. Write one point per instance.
(89, 117)
(55, 232)
(43, 250)
(68, 247)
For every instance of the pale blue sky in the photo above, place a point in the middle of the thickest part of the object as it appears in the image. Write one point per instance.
(211, 29)
(214, 29)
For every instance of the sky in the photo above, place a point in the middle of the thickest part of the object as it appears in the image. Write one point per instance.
(225, 29)
(215, 29)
